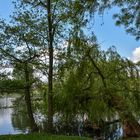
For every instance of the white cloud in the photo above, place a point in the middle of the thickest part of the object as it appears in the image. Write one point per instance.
(136, 55)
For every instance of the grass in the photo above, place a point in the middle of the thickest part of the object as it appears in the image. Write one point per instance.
(132, 139)
(46, 137)
(40, 137)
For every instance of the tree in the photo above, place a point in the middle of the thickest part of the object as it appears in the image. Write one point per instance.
(92, 81)
(18, 51)
(85, 75)
(55, 18)
(129, 16)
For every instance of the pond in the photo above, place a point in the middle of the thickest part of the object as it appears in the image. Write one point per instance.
(14, 120)
(10, 122)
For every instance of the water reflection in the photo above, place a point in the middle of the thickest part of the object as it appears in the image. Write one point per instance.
(113, 131)
(6, 102)
(20, 119)
(12, 121)
(6, 126)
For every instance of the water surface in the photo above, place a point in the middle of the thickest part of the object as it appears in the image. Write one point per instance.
(7, 115)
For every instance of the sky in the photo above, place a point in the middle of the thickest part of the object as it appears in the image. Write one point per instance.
(104, 28)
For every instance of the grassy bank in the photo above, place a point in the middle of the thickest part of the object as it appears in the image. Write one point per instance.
(132, 139)
(46, 137)
(40, 137)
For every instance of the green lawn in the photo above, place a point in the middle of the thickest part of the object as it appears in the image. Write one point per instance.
(132, 139)
(46, 137)
(40, 137)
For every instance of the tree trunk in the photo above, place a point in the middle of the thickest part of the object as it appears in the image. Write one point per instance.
(33, 125)
(131, 128)
(50, 76)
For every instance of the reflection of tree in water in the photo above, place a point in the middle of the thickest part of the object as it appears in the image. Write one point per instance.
(112, 131)
(66, 126)
(19, 116)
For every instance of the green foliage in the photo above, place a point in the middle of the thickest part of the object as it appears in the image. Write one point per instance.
(86, 79)
(129, 16)
(97, 81)
(11, 86)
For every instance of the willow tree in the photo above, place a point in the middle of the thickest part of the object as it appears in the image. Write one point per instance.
(94, 80)
(128, 13)
(129, 16)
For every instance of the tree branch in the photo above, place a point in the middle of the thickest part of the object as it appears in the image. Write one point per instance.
(97, 68)
(10, 55)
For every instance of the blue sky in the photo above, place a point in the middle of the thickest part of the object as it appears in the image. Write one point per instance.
(107, 34)
(6, 7)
